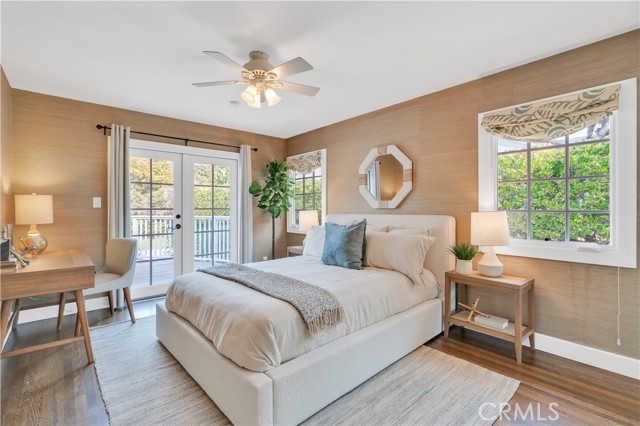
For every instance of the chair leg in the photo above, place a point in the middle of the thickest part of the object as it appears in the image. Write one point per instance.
(63, 299)
(16, 308)
(110, 296)
(127, 297)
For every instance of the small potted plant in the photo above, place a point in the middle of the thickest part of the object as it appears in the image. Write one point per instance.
(464, 253)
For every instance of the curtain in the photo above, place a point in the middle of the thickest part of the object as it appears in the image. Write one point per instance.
(305, 163)
(118, 188)
(246, 206)
(118, 182)
(546, 120)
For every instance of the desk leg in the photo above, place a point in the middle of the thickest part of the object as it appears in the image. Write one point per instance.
(82, 315)
(518, 325)
(5, 310)
(447, 305)
(16, 317)
(63, 299)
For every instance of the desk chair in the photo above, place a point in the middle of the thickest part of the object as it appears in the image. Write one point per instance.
(119, 269)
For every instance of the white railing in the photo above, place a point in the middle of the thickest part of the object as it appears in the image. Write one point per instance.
(211, 238)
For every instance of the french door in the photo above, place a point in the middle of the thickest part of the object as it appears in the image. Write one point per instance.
(184, 210)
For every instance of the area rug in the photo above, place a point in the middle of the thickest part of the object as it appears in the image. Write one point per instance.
(142, 384)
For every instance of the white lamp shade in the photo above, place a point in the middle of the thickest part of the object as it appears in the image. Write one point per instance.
(308, 219)
(272, 97)
(34, 209)
(489, 229)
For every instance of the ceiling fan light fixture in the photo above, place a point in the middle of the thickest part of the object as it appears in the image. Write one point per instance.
(272, 97)
(255, 103)
(249, 95)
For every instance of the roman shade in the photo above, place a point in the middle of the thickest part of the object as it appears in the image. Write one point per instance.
(553, 118)
(305, 163)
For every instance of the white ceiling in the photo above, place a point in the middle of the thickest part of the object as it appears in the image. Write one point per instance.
(144, 56)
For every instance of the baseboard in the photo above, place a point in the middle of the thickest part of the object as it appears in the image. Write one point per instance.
(70, 308)
(609, 361)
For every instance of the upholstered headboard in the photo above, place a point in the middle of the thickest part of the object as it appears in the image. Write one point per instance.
(438, 259)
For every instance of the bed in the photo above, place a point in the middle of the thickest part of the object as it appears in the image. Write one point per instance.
(290, 391)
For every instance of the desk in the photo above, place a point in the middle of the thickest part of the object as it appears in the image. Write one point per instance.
(55, 271)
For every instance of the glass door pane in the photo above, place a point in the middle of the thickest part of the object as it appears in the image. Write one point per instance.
(155, 202)
(210, 230)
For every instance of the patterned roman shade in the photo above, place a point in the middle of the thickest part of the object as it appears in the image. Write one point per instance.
(305, 163)
(546, 120)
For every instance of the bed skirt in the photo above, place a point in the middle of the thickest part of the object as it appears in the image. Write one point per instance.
(297, 389)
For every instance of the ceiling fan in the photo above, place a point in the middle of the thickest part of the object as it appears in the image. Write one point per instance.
(262, 77)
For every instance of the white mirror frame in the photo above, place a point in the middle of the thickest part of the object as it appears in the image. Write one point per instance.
(407, 177)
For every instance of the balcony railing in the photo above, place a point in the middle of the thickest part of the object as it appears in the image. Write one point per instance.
(212, 237)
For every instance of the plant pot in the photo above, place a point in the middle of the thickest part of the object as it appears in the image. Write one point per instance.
(463, 267)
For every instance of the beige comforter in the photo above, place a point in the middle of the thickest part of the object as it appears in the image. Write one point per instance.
(259, 332)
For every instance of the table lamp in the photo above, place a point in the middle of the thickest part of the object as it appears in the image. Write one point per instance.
(490, 229)
(34, 210)
(308, 219)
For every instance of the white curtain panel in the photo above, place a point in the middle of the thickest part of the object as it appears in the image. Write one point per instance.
(246, 206)
(118, 176)
(118, 188)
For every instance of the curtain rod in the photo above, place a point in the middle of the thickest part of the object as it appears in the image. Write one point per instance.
(185, 140)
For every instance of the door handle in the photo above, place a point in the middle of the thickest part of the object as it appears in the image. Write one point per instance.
(178, 226)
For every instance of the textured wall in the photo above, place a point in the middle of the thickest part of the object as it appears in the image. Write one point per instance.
(575, 302)
(6, 104)
(58, 150)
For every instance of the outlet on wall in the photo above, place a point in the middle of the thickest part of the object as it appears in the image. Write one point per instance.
(97, 202)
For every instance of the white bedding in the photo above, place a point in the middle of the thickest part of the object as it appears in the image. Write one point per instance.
(259, 332)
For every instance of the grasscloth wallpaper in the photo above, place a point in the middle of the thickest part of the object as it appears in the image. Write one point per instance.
(575, 302)
(58, 150)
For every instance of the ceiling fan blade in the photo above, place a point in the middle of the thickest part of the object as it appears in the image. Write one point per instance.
(225, 60)
(294, 66)
(302, 89)
(219, 83)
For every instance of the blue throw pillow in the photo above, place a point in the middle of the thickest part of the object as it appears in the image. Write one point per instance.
(344, 244)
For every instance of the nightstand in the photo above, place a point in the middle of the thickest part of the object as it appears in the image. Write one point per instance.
(294, 251)
(516, 332)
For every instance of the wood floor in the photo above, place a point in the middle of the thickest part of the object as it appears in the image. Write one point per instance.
(57, 387)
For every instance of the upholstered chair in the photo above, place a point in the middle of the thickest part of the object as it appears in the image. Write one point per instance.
(118, 271)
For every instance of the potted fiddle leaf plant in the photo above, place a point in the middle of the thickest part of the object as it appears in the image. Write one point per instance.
(278, 189)
(464, 253)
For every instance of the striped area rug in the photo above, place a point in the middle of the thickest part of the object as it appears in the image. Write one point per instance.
(142, 384)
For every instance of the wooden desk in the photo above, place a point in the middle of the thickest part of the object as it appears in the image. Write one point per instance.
(55, 271)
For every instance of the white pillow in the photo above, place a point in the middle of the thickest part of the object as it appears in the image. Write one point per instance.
(314, 242)
(426, 232)
(400, 252)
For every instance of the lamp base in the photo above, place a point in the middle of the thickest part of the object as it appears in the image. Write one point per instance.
(35, 238)
(490, 265)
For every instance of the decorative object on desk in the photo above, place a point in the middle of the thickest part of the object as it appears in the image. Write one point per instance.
(34, 210)
(490, 229)
(9, 264)
(18, 256)
(5, 249)
(307, 220)
(464, 253)
(279, 188)
(492, 321)
(473, 310)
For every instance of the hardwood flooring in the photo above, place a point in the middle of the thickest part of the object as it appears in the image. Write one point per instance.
(57, 387)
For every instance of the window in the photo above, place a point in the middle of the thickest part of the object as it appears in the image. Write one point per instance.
(311, 186)
(572, 198)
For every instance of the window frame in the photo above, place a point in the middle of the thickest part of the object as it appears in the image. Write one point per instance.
(623, 169)
(292, 227)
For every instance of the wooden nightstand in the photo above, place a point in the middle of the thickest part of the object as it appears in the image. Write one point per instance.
(294, 250)
(516, 332)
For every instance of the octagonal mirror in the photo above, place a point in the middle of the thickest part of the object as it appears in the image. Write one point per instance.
(385, 177)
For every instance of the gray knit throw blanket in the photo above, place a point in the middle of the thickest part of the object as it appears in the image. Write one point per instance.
(318, 307)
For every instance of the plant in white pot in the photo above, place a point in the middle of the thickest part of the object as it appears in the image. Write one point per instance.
(464, 253)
